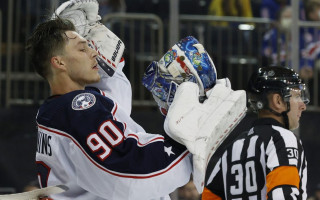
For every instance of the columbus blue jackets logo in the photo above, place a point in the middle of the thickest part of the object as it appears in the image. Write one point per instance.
(83, 101)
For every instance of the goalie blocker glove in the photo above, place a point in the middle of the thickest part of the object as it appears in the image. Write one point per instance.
(84, 15)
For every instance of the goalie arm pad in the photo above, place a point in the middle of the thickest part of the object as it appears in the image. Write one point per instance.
(203, 127)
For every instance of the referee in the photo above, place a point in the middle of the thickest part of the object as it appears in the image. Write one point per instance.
(268, 161)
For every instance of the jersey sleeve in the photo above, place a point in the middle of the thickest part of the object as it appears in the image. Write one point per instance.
(283, 183)
(111, 160)
(118, 86)
(214, 189)
(285, 163)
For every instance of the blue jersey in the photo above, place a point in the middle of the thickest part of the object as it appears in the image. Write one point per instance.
(87, 142)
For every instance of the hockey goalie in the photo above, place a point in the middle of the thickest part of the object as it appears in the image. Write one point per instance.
(200, 109)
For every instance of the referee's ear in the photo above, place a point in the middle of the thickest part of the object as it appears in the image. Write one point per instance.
(276, 103)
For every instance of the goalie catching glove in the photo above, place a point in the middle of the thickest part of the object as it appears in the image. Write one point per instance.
(202, 127)
(187, 60)
(84, 15)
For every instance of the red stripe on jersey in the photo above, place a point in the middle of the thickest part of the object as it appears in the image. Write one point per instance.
(124, 127)
(145, 176)
(114, 110)
(102, 92)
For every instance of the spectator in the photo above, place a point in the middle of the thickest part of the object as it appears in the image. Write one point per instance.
(234, 8)
(276, 44)
(270, 8)
(312, 8)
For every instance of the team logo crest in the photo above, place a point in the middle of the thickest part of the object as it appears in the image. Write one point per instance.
(83, 101)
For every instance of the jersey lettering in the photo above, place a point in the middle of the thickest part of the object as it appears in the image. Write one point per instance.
(293, 153)
(250, 181)
(95, 143)
(43, 145)
(237, 171)
(111, 135)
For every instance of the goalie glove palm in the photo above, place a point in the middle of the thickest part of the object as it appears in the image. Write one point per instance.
(81, 13)
(84, 15)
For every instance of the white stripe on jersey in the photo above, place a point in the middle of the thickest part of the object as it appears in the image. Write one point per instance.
(290, 139)
(250, 132)
(290, 142)
(304, 179)
(236, 150)
(253, 197)
(273, 160)
(294, 193)
(301, 163)
(144, 141)
(214, 171)
(114, 110)
(252, 146)
(277, 194)
(263, 164)
(224, 166)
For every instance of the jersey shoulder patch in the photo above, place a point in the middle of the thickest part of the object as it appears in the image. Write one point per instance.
(83, 101)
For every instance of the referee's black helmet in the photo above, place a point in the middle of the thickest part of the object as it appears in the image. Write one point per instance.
(274, 79)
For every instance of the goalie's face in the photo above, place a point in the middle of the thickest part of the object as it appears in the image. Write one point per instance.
(80, 60)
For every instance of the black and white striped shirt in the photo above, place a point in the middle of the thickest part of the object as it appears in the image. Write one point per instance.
(268, 162)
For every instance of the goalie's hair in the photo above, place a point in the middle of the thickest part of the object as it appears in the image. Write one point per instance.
(47, 40)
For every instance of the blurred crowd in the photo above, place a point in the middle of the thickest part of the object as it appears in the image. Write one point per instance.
(276, 44)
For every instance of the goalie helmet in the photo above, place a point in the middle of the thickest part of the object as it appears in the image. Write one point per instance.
(187, 60)
(274, 79)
